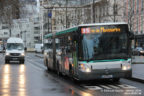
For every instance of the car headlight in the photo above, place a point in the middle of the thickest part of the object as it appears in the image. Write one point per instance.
(7, 53)
(22, 54)
(59, 53)
(45, 53)
(84, 68)
(141, 51)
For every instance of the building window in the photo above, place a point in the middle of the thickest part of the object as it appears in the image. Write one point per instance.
(107, 10)
(37, 28)
(103, 10)
(142, 5)
(5, 33)
(137, 6)
(137, 23)
(4, 27)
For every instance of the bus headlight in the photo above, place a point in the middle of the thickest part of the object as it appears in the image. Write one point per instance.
(88, 70)
(126, 67)
(84, 68)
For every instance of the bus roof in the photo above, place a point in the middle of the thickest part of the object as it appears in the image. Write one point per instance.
(48, 35)
(82, 25)
(95, 24)
(62, 32)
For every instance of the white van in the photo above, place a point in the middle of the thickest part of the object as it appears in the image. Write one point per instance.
(15, 50)
(39, 48)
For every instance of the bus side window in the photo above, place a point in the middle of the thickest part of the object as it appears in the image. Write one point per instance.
(68, 50)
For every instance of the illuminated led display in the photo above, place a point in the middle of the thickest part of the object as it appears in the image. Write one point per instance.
(99, 30)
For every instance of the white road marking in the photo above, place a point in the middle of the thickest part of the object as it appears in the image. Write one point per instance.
(125, 86)
(93, 87)
(113, 86)
(105, 87)
(109, 87)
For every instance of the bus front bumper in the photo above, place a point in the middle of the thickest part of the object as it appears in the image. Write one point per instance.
(103, 74)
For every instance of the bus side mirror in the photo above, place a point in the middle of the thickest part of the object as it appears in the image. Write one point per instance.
(131, 35)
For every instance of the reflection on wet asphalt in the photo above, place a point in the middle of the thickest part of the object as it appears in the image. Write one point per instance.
(12, 80)
(28, 80)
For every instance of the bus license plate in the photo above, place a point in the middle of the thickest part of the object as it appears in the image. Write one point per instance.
(107, 76)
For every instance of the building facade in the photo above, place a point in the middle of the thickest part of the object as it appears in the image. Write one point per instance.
(91, 11)
(134, 15)
(4, 34)
(24, 29)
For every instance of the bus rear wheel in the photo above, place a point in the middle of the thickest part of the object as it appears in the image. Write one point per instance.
(58, 70)
(47, 65)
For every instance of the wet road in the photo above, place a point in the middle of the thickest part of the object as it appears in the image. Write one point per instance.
(32, 79)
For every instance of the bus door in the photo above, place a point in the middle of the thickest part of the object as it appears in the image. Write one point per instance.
(74, 57)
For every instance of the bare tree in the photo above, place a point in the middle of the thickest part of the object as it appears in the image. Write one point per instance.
(9, 10)
(109, 10)
(130, 15)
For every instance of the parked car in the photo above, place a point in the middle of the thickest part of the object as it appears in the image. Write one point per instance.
(142, 51)
(1, 49)
(138, 51)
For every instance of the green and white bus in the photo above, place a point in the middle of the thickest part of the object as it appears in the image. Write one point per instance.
(91, 51)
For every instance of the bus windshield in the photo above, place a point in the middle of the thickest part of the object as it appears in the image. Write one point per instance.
(98, 46)
(49, 45)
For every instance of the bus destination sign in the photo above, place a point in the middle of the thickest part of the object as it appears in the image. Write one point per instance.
(99, 30)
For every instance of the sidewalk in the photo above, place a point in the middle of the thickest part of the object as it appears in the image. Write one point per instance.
(137, 67)
(138, 71)
(138, 59)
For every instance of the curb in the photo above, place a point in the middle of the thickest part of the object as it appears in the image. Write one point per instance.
(38, 56)
(136, 79)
